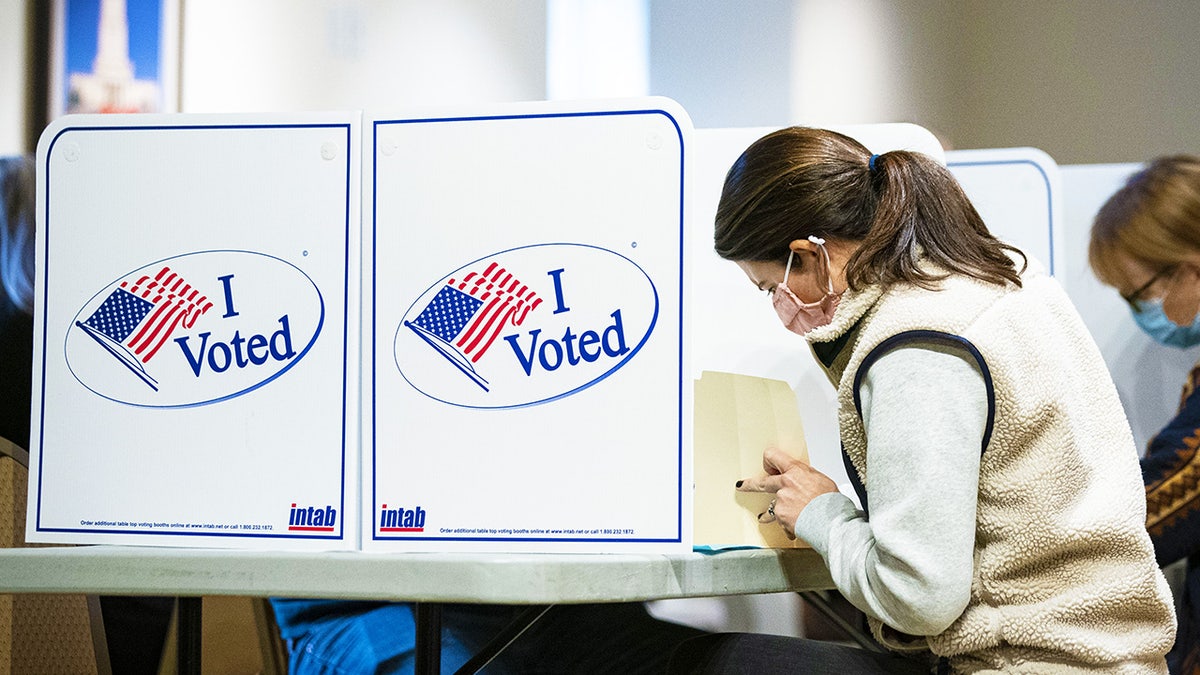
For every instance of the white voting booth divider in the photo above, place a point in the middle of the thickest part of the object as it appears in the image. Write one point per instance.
(526, 364)
(195, 342)
(564, 424)
(1018, 192)
(1149, 376)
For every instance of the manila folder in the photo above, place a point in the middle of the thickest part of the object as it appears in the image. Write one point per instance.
(736, 418)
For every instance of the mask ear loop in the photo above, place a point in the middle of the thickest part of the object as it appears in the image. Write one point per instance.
(828, 265)
(788, 270)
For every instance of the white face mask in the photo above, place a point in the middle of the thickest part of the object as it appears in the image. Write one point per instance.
(800, 317)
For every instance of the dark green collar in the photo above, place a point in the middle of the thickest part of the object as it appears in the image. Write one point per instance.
(827, 352)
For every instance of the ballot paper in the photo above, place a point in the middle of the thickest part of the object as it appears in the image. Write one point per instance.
(736, 418)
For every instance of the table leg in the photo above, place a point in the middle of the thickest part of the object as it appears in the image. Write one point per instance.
(503, 639)
(187, 635)
(429, 638)
(818, 602)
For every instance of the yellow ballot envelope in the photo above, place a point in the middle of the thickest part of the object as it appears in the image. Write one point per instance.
(736, 418)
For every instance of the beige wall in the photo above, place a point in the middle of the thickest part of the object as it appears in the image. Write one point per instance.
(864, 61)
(273, 55)
(12, 76)
(1088, 81)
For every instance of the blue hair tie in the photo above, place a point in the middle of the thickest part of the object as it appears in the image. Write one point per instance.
(871, 163)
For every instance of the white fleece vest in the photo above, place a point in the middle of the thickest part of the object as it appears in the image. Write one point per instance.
(1065, 578)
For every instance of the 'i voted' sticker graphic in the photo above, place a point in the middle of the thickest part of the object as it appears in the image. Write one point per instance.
(195, 329)
(526, 326)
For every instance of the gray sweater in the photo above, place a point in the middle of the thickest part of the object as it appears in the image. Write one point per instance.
(910, 566)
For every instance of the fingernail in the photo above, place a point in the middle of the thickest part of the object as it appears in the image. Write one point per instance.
(738, 484)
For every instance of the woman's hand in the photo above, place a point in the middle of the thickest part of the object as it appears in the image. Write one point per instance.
(793, 483)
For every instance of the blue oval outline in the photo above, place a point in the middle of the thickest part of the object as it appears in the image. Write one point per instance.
(620, 364)
(281, 371)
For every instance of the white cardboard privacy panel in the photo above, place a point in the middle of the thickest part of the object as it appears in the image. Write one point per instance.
(195, 348)
(528, 331)
(1149, 376)
(1018, 192)
(525, 363)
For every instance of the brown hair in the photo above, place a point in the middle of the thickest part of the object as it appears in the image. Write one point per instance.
(904, 210)
(1154, 219)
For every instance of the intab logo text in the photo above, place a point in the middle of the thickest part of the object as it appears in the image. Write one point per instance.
(400, 519)
(312, 518)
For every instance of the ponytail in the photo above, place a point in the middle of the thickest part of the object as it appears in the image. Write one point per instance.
(912, 221)
(923, 219)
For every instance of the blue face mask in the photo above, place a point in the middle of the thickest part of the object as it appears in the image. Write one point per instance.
(1150, 317)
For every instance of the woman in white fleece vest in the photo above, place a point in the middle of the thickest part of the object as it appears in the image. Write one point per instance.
(1002, 526)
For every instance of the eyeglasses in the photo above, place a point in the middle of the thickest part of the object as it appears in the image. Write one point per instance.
(1135, 297)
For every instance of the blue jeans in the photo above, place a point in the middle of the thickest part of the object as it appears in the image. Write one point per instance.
(343, 638)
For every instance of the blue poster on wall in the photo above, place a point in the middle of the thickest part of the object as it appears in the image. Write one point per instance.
(115, 56)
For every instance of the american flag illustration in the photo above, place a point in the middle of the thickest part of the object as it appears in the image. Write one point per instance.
(468, 314)
(141, 314)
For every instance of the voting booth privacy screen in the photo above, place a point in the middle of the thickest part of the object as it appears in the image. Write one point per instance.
(461, 329)
(526, 367)
(1018, 193)
(196, 331)
(520, 344)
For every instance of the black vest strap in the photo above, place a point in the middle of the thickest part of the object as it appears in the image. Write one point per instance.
(855, 481)
(898, 340)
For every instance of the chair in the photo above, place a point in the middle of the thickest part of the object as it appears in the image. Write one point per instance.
(42, 633)
(238, 635)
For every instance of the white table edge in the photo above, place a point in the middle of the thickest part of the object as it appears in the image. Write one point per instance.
(509, 578)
